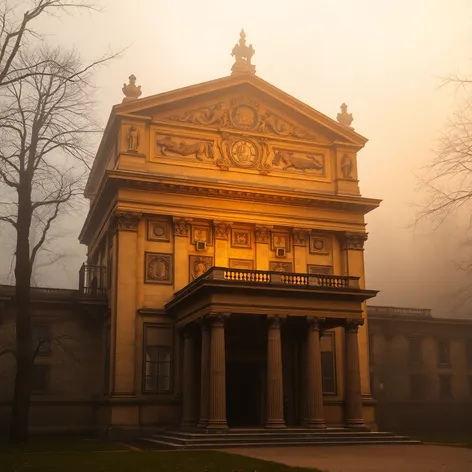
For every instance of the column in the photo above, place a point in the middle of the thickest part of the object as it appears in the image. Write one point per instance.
(275, 394)
(124, 302)
(217, 407)
(353, 396)
(204, 374)
(189, 414)
(314, 381)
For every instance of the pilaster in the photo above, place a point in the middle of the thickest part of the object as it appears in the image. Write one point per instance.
(205, 374)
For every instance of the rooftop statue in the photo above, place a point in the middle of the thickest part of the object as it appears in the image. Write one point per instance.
(242, 55)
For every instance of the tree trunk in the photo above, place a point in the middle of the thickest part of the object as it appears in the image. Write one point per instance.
(24, 354)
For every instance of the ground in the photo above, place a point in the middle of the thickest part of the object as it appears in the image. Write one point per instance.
(95, 456)
(392, 458)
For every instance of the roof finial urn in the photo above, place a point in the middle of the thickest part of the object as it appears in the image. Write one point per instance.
(242, 55)
(344, 117)
(131, 90)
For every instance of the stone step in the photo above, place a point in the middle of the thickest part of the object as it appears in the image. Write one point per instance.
(172, 445)
(244, 439)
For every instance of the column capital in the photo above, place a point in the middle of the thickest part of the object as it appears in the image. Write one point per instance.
(182, 226)
(300, 236)
(352, 326)
(275, 321)
(262, 233)
(353, 241)
(315, 323)
(218, 319)
(127, 220)
(204, 323)
(222, 229)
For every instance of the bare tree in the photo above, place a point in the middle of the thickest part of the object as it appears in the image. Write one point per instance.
(16, 30)
(46, 137)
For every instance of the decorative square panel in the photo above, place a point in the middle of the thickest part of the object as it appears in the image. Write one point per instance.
(280, 241)
(158, 231)
(159, 268)
(198, 265)
(202, 233)
(280, 266)
(245, 264)
(241, 238)
(319, 244)
(320, 269)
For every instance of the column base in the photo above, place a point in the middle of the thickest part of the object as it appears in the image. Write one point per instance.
(356, 424)
(315, 424)
(275, 424)
(202, 424)
(216, 425)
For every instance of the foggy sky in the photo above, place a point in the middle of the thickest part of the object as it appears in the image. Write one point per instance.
(384, 59)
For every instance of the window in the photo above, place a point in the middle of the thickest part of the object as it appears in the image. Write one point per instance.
(415, 354)
(417, 387)
(41, 336)
(157, 372)
(469, 353)
(328, 365)
(157, 369)
(371, 349)
(40, 378)
(445, 388)
(444, 354)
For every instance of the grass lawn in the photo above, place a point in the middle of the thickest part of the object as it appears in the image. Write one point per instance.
(95, 456)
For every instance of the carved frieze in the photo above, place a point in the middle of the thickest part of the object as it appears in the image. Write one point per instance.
(127, 220)
(244, 115)
(182, 227)
(353, 241)
(222, 229)
(320, 269)
(300, 237)
(262, 234)
(198, 265)
(277, 266)
(158, 268)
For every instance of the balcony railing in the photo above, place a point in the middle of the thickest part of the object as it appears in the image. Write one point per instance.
(92, 281)
(262, 277)
(399, 311)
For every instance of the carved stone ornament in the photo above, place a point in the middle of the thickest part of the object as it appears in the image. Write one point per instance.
(276, 266)
(198, 265)
(352, 326)
(132, 139)
(300, 237)
(262, 234)
(218, 319)
(159, 268)
(242, 54)
(315, 324)
(127, 220)
(354, 241)
(182, 227)
(222, 229)
(344, 117)
(131, 90)
(275, 322)
(346, 166)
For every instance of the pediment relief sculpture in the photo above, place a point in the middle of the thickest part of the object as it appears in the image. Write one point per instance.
(238, 151)
(243, 116)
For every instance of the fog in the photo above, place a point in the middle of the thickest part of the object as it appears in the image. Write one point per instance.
(384, 59)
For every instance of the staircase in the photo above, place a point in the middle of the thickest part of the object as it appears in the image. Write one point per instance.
(263, 438)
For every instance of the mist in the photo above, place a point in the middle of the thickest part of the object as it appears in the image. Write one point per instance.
(386, 60)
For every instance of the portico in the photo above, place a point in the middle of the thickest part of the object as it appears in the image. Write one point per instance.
(237, 327)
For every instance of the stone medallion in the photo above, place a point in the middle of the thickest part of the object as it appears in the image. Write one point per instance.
(244, 117)
(243, 153)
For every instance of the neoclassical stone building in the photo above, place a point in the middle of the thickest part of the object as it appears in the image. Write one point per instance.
(226, 231)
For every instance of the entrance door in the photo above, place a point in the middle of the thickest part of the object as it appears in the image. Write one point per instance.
(243, 394)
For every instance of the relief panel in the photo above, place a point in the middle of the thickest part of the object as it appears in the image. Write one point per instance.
(245, 264)
(158, 231)
(280, 266)
(159, 268)
(198, 265)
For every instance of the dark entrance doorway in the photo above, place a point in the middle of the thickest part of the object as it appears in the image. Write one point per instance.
(243, 394)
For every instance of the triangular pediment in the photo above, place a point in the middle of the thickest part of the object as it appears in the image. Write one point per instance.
(245, 103)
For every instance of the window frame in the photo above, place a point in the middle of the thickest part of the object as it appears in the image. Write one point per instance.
(447, 344)
(411, 360)
(36, 339)
(47, 388)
